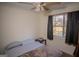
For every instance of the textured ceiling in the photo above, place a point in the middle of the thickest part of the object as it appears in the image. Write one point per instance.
(50, 5)
(30, 5)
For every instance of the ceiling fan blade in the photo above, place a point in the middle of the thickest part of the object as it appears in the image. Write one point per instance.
(45, 8)
(54, 5)
(40, 6)
(36, 9)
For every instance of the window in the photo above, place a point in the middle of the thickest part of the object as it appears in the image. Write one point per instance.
(59, 25)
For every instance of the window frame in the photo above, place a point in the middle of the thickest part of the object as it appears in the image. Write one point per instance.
(64, 23)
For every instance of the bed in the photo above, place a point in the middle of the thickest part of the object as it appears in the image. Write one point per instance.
(30, 48)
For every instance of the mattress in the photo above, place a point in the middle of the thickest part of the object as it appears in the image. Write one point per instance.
(25, 48)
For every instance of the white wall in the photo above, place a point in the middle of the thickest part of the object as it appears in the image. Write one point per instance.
(17, 24)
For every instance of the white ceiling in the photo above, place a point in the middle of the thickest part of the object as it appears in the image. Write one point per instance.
(53, 6)
(29, 5)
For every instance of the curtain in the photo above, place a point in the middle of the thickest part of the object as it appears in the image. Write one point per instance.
(72, 28)
(76, 51)
(50, 28)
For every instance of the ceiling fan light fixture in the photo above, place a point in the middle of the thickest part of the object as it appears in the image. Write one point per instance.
(37, 9)
(42, 9)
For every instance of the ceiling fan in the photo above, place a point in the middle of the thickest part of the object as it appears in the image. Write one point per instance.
(45, 6)
(40, 6)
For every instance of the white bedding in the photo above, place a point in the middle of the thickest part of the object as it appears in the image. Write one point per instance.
(26, 47)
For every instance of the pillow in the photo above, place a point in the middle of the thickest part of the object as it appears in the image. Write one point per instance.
(13, 45)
